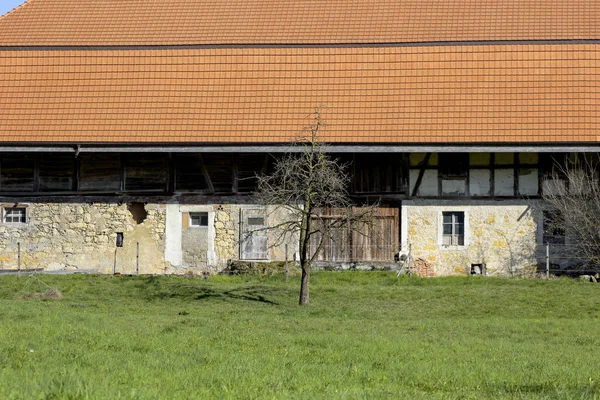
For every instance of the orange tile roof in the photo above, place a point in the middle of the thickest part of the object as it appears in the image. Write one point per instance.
(437, 94)
(160, 22)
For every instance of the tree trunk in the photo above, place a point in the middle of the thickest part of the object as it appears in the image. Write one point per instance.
(304, 286)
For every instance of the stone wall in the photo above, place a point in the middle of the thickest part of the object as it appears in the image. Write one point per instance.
(226, 231)
(82, 236)
(503, 235)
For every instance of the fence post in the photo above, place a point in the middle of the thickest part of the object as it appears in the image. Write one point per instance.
(286, 262)
(19, 256)
(410, 261)
(137, 258)
(547, 260)
(115, 262)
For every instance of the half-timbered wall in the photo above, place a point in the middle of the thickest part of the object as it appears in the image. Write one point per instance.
(412, 175)
(474, 175)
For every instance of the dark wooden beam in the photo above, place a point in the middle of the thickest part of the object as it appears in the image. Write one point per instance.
(235, 168)
(211, 187)
(171, 174)
(424, 165)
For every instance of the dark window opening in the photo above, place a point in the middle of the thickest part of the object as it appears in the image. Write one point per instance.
(189, 173)
(249, 166)
(379, 173)
(100, 172)
(220, 171)
(454, 165)
(554, 228)
(146, 172)
(56, 172)
(17, 173)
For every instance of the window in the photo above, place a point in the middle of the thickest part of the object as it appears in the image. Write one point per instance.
(554, 231)
(453, 171)
(199, 219)
(256, 221)
(15, 215)
(453, 225)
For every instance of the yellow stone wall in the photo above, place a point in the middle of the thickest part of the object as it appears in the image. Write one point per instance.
(503, 235)
(81, 236)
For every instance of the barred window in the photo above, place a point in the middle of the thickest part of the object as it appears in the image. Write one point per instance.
(15, 215)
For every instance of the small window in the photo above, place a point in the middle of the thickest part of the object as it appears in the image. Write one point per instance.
(199, 219)
(453, 228)
(15, 215)
(256, 221)
(554, 231)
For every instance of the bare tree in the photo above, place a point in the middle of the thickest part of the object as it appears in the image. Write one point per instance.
(305, 182)
(572, 201)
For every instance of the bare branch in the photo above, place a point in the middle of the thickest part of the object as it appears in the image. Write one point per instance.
(308, 186)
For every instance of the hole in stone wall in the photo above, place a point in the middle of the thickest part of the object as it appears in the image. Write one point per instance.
(138, 212)
(478, 269)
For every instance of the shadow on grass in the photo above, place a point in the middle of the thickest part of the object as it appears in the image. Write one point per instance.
(157, 290)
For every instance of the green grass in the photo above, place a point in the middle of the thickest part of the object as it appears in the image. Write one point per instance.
(365, 335)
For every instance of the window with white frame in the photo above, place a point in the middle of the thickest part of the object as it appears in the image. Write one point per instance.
(199, 219)
(14, 215)
(453, 225)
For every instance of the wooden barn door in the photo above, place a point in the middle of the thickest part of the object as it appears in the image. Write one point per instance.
(370, 242)
(254, 241)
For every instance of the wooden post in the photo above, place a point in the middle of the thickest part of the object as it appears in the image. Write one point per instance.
(286, 262)
(547, 260)
(115, 262)
(19, 256)
(137, 258)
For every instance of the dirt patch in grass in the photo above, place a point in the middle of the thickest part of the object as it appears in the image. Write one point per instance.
(50, 294)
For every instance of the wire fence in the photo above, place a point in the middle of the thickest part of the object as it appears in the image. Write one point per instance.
(565, 259)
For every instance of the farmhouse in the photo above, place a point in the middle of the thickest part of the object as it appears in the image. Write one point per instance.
(145, 122)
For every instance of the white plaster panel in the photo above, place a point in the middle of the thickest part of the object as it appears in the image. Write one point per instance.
(528, 181)
(479, 182)
(429, 184)
(173, 235)
(211, 254)
(504, 182)
(454, 186)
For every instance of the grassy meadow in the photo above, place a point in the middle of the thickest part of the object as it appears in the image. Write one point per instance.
(365, 335)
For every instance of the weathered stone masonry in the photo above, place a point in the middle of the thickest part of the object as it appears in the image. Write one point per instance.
(502, 235)
(82, 236)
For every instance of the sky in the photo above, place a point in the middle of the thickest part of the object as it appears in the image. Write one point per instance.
(7, 5)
